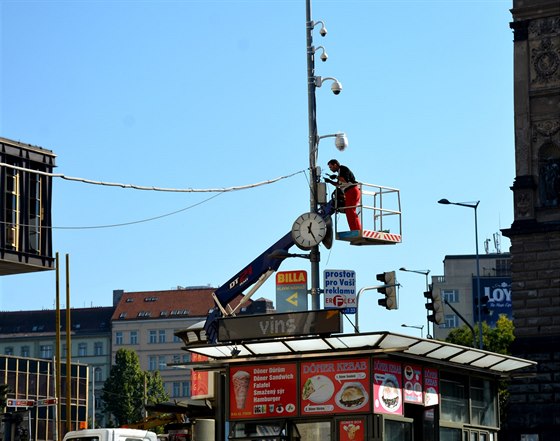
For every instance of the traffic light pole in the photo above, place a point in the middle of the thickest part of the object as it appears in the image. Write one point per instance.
(464, 320)
(367, 288)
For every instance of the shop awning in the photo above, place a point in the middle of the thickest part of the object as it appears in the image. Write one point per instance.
(405, 346)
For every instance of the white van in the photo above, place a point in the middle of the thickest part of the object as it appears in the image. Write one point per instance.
(110, 435)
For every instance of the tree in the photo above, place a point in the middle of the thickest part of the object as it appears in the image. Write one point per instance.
(128, 387)
(497, 339)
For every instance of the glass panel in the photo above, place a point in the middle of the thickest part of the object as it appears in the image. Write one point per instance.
(319, 431)
(447, 434)
(454, 402)
(474, 436)
(397, 431)
(483, 402)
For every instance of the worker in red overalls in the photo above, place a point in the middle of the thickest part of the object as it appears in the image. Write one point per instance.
(346, 181)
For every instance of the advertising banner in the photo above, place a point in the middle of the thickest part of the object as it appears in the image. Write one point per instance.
(291, 291)
(498, 292)
(387, 387)
(340, 290)
(263, 391)
(413, 384)
(351, 430)
(431, 387)
(335, 386)
(202, 381)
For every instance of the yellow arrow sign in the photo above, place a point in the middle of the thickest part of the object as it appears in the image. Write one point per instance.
(293, 299)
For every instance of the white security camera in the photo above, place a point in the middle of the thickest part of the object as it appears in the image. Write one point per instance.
(324, 57)
(323, 31)
(336, 87)
(341, 141)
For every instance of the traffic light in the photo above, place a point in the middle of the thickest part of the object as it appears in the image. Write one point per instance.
(4, 389)
(388, 279)
(435, 305)
(484, 309)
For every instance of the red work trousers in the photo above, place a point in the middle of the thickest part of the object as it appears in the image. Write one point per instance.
(352, 197)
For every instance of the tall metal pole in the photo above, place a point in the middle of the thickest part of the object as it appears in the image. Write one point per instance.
(314, 255)
(480, 343)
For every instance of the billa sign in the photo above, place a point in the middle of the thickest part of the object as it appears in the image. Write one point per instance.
(287, 324)
(263, 391)
(291, 291)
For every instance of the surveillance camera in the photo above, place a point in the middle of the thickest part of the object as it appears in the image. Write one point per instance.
(324, 57)
(336, 88)
(323, 31)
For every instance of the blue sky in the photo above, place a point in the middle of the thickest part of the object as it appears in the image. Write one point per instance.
(212, 94)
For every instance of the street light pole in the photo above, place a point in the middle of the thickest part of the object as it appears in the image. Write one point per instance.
(425, 273)
(421, 327)
(473, 205)
(314, 255)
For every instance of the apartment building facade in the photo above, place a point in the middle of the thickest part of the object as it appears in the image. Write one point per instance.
(32, 335)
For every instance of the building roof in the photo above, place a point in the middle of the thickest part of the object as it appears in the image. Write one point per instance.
(30, 323)
(176, 303)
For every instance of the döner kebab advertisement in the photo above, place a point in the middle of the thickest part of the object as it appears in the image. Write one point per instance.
(336, 386)
(263, 391)
(387, 387)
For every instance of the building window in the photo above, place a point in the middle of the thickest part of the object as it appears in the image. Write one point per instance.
(133, 337)
(118, 338)
(82, 350)
(152, 363)
(11, 208)
(46, 351)
(186, 358)
(161, 338)
(98, 348)
(186, 388)
(176, 339)
(503, 267)
(98, 374)
(152, 338)
(451, 295)
(483, 403)
(8, 350)
(35, 213)
(24, 351)
(162, 363)
(176, 389)
(450, 321)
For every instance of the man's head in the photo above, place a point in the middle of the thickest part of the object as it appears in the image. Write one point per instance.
(334, 165)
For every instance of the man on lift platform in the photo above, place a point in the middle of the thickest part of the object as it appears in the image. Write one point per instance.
(347, 182)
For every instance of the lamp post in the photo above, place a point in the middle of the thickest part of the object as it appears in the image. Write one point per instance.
(421, 327)
(424, 273)
(473, 205)
(312, 83)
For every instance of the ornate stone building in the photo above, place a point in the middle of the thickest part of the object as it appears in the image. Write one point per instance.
(534, 411)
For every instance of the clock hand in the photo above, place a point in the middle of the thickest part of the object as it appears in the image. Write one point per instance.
(310, 231)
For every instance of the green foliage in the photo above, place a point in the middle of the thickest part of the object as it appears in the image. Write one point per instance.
(497, 339)
(124, 391)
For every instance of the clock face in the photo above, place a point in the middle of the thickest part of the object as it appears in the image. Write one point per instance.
(309, 230)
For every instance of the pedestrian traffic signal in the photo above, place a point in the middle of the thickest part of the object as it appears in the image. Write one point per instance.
(435, 306)
(389, 290)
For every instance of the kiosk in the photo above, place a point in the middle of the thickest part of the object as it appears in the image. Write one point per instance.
(379, 386)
